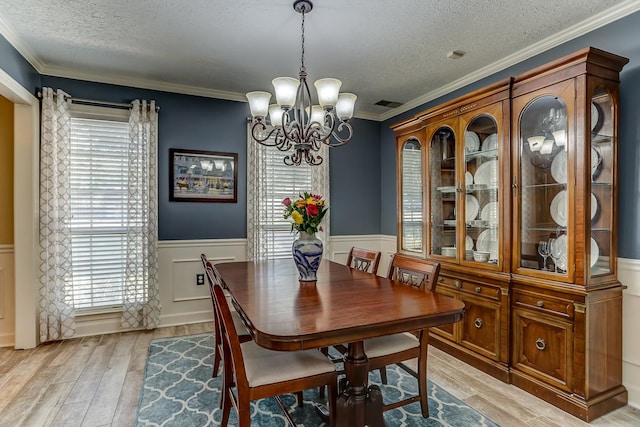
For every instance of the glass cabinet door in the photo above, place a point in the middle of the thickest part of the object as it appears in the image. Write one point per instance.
(600, 163)
(481, 184)
(442, 169)
(543, 175)
(411, 196)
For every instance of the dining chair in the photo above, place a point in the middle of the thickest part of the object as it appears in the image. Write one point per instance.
(359, 259)
(363, 259)
(398, 348)
(243, 333)
(256, 372)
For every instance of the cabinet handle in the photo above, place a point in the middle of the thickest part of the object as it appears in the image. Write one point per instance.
(440, 279)
(478, 323)
(540, 344)
(540, 303)
(458, 284)
(478, 289)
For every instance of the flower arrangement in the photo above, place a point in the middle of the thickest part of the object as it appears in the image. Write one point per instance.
(306, 212)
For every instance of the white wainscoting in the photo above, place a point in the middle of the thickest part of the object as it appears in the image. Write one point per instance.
(7, 296)
(629, 275)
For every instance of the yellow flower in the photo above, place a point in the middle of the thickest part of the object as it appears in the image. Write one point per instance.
(300, 203)
(297, 217)
(311, 201)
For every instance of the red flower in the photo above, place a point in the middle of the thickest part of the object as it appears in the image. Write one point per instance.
(312, 210)
(286, 202)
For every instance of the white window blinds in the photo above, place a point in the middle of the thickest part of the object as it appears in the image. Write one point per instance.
(412, 197)
(281, 181)
(98, 175)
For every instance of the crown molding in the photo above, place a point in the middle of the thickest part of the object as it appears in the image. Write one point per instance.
(120, 80)
(613, 14)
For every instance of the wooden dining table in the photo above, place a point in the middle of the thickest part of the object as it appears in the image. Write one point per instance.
(343, 306)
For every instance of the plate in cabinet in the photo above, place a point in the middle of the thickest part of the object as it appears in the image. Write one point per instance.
(558, 208)
(487, 173)
(490, 142)
(487, 241)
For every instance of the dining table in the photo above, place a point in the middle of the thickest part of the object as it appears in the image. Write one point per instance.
(343, 306)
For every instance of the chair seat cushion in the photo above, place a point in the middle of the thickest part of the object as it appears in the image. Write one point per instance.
(389, 344)
(267, 366)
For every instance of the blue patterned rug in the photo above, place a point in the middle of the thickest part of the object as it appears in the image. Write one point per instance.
(178, 391)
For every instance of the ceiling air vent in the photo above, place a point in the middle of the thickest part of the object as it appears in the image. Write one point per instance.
(388, 104)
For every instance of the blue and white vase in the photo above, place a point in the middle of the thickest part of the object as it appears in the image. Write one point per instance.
(307, 254)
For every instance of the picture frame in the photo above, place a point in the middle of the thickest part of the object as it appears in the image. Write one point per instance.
(203, 176)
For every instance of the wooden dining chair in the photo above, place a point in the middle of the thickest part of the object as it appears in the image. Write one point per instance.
(398, 348)
(214, 278)
(359, 259)
(256, 372)
(363, 259)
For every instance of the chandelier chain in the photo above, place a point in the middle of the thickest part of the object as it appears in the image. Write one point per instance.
(302, 68)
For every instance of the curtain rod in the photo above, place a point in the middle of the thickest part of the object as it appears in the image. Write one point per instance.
(96, 102)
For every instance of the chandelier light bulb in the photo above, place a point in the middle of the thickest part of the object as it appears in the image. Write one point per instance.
(328, 91)
(317, 114)
(275, 115)
(345, 105)
(259, 103)
(286, 89)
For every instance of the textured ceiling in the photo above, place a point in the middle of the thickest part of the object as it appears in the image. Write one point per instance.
(394, 50)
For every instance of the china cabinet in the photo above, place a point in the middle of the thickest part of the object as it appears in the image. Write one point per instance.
(514, 192)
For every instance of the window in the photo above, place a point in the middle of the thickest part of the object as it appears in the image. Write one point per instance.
(98, 203)
(281, 181)
(269, 182)
(412, 196)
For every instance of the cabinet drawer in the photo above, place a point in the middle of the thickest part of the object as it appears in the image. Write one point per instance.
(470, 287)
(544, 304)
(481, 326)
(543, 347)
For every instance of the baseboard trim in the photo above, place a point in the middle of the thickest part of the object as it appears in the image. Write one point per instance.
(7, 340)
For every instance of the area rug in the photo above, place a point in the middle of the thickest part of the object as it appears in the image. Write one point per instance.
(178, 391)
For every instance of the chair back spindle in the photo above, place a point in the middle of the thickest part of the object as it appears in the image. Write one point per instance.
(363, 259)
(422, 274)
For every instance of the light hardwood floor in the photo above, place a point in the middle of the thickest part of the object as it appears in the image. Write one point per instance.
(96, 381)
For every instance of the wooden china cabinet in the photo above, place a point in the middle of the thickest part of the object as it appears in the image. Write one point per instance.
(525, 172)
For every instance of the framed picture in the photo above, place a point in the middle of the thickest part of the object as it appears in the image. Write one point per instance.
(203, 176)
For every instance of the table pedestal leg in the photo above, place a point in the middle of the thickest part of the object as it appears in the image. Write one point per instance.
(358, 405)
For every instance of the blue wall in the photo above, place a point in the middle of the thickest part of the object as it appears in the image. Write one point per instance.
(621, 37)
(12, 63)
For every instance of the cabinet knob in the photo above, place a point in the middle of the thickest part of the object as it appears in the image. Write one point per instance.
(477, 323)
(540, 303)
(540, 344)
(440, 279)
(478, 289)
(458, 284)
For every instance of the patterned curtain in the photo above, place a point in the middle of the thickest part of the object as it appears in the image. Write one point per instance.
(57, 316)
(256, 200)
(320, 185)
(141, 308)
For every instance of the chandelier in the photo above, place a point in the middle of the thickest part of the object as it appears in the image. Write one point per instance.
(294, 123)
